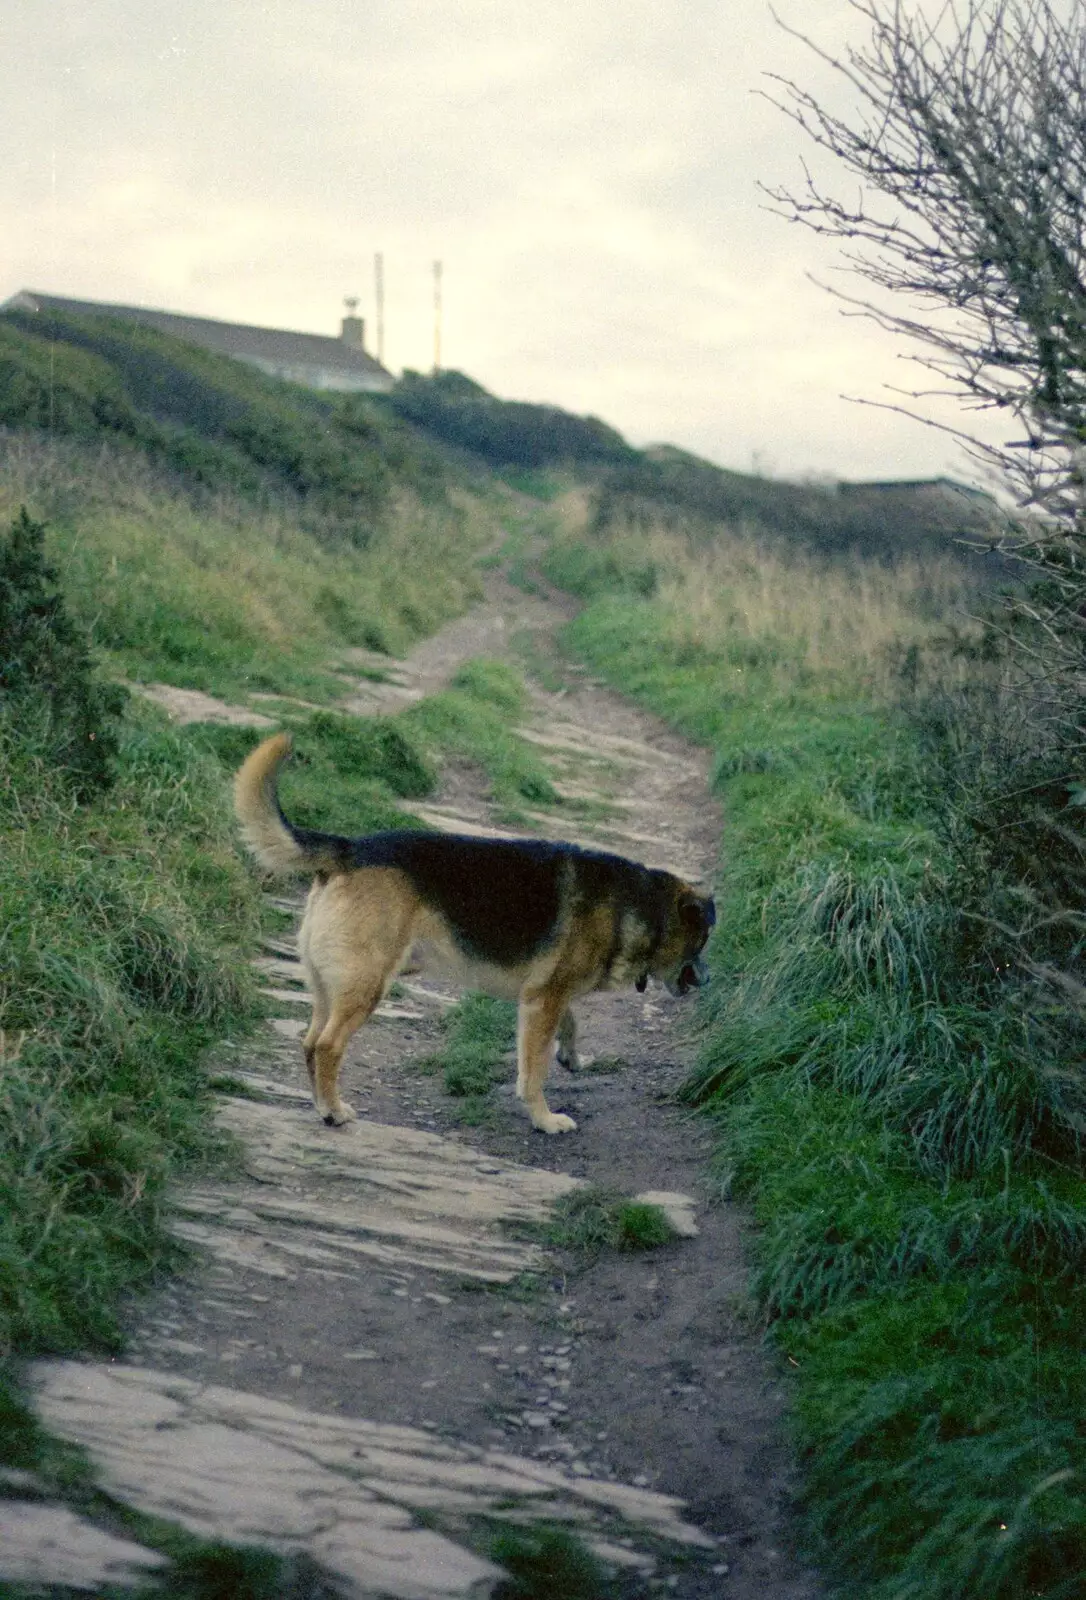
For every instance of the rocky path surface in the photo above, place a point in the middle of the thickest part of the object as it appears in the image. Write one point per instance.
(374, 1358)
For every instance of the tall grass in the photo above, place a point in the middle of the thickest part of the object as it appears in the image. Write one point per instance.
(125, 927)
(780, 616)
(219, 594)
(905, 1110)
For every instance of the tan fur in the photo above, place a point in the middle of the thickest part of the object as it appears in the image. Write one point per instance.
(262, 827)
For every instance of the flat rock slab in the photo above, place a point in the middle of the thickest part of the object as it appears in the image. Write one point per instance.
(236, 1466)
(46, 1544)
(677, 1208)
(192, 705)
(323, 1198)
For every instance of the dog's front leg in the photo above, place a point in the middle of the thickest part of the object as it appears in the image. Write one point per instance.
(537, 1023)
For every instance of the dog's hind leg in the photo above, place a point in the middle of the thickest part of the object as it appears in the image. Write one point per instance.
(349, 1011)
(357, 931)
(317, 1023)
(538, 1021)
(567, 1042)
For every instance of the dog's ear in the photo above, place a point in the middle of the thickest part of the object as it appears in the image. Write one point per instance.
(697, 913)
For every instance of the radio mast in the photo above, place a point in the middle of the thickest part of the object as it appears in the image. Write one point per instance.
(379, 296)
(437, 316)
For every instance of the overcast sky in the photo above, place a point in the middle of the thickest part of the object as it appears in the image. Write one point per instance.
(585, 171)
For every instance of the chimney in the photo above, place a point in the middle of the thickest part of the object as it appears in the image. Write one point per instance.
(353, 329)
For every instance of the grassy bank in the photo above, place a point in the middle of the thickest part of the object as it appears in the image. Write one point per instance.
(900, 1108)
(228, 596)
(126, 923)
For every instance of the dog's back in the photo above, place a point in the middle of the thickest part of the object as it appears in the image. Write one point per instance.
(503, 900)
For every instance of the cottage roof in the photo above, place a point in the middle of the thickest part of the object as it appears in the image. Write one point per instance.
(238, 339)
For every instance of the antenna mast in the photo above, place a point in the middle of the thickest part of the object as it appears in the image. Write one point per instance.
(379, 295)
(437, 316)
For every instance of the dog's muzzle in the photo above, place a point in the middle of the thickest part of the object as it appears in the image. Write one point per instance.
(692, 975)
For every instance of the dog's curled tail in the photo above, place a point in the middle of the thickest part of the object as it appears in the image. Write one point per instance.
(266, 831)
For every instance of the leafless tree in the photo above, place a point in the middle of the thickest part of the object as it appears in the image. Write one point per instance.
(969, 141)
(968, 137)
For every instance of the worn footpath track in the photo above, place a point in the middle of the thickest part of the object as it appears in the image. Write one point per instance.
(374, 1357)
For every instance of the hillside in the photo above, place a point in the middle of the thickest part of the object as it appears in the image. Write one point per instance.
(222, 425)
(886, 520)
(215, 422)
(215, 527)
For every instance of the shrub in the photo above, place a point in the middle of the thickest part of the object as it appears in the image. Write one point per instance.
(47, 685)
(504, 433)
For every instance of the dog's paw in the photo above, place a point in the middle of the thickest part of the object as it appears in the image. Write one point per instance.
(339, 1114)
(568, 1059)
(555, 1122)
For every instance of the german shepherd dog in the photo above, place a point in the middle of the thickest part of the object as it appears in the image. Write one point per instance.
(524, 919)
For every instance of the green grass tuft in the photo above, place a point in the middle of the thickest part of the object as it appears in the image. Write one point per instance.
(471, 721)
(479, 1033)
(494, 682)
(591, 1219)
(377, 747)
(638, 1225)
(547, 1563)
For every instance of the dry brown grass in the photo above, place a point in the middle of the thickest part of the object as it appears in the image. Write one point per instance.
(847, 621)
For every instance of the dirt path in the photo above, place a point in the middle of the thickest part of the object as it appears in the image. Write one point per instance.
(375, 1352)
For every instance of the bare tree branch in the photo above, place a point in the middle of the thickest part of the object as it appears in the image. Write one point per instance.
(966, 222)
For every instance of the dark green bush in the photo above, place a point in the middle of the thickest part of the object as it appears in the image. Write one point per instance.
(48, 690)
(504, 433)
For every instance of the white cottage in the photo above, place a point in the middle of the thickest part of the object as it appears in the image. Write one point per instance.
(311, 359)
